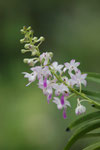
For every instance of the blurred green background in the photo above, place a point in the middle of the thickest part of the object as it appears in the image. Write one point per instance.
(72, 31)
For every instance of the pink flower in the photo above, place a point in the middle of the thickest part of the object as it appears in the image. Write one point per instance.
(68, 81)
(45, 58)
(38, 70)
(46, 72)
(62, 104)
(48, 88)
(31, 77)
(60, 89)
(41, 71)
(56, 67)
(71, 66)
(59, 104)
(78, 79)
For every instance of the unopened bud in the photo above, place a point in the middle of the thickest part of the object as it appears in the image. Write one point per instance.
(51, 54)
(22, 31)
(23, 51)
(31, 62)
(35, 39)
(42, 38)
(29, 28)
(31, 32)
(22, 41)
(27, 46)
(25, 60)
(35, 52)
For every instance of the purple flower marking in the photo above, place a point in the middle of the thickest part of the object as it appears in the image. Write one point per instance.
(45, 83)
(49, 97)
(64, 114)
(62, 99)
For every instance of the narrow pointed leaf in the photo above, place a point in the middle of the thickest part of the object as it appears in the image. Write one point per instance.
(93, 94)
(81, 132)
(93, 74)
(91, 135)
(93, 77)
(95, 146)
(88, 117)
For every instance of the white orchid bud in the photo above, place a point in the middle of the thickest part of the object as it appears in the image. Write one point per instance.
(35, 39)
(35, 52)
(27, 46)
(25, 60)
(31, 62)
(42, 38)
(22, 41)
(29, 28)
(23, 51)
(80, 109)
(51, 54)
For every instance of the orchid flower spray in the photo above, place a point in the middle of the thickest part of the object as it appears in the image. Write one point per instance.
(58, 82)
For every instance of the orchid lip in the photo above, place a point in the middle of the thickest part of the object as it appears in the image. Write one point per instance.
(62, 99)
(50, 96)
(45, 83)
(64, 114)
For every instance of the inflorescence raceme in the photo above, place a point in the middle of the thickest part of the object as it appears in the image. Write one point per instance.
(58, 82)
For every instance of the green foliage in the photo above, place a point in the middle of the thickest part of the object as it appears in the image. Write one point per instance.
(93, 94)
(95, 77)
(89, 123)
(91, 135)
(88, 117)
(95, 146)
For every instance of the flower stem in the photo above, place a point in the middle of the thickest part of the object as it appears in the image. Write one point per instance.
(80, 87)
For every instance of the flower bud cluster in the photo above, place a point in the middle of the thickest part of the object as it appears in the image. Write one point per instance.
(45, 72)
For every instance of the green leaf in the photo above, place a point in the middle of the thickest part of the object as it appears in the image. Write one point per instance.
(96, 95)
(93, 77)
(95, 146)
(88, 117)
(91, 135)
(81, 132)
